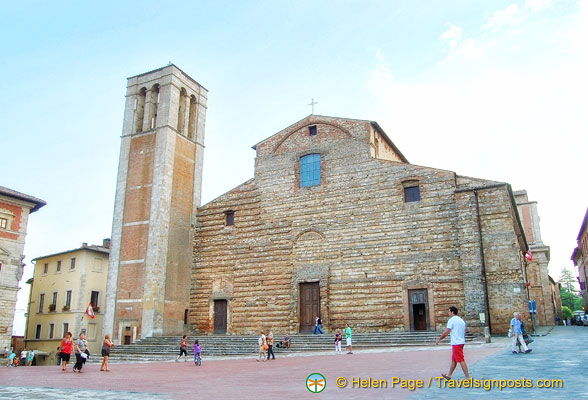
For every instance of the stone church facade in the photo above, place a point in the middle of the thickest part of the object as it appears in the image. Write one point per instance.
(337, 222)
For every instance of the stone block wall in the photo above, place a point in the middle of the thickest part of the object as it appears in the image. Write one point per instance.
(354, 234)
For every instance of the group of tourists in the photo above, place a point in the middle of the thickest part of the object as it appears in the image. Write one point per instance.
(455, 328)
(318, 328)
(266, 341)
(339, 337)
(26, 358)
(80, 349)
(266, 344)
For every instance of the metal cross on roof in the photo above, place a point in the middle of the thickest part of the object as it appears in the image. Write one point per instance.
(312, 103)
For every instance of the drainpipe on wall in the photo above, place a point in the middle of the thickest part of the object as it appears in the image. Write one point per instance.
(485, 286)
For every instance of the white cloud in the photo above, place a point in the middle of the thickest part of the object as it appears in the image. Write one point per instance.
(452, 36)
(537, 5)
(516, 119)
(509, 17)
(512, 15)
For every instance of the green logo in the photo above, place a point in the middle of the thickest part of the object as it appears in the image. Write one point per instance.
(316, 383)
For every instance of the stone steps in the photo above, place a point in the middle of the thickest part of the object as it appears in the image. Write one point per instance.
(166, 348)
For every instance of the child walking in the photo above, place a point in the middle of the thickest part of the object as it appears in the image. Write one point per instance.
(338, 341)
(197, 350)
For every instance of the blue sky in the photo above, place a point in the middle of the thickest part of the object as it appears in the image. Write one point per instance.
(490, 89)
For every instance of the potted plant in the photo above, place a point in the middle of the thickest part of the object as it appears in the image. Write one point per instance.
(96, 309)
(65, 308)
(51, 307)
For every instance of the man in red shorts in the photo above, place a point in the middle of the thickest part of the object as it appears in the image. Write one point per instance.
(456, 328)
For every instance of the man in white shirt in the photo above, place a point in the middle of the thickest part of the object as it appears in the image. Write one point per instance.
(456, 328)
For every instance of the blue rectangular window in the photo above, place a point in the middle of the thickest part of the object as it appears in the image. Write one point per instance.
(310, 170)
(412, 194)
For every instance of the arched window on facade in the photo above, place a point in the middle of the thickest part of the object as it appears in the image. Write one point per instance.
(140, 109)
(182, 112)
(192, 117)
(153, 102)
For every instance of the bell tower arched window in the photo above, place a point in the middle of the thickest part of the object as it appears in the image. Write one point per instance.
(192, 117)
(153, 101)
(140, 110)
(182, 112)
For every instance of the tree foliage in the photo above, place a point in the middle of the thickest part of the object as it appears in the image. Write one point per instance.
(568, 291)
(568, 280)
(567, 312)
(570, 300)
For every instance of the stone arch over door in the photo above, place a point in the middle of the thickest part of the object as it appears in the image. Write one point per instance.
(310, 305)
(310, 276)
(418, 306)
(127, 331)
(220, 311)
(418, 309)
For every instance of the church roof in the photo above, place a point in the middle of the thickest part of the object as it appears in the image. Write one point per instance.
(85, 246)
(385, 136)
(4, 191)
(167, 66)
(316, 119)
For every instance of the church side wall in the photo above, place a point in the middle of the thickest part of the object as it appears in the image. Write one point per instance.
(471, 260)
(503, 258)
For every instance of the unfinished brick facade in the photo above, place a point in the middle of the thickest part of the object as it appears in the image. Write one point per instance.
(380, 259)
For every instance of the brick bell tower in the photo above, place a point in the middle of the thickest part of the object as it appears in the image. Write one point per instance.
(157, 192)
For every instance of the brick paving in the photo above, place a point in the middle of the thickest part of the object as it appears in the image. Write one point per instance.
(285, 377)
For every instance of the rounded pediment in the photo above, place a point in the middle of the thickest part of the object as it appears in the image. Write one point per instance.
(310, 135)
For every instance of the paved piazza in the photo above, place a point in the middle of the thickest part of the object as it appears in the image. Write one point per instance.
(560, 355)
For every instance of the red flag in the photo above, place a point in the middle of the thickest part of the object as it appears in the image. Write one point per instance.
(90, 311)
(529, 255)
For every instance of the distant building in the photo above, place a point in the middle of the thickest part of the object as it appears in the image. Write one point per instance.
(555, 288)
(15, 208)
(580, 258)
(63, 286)
(537, 272)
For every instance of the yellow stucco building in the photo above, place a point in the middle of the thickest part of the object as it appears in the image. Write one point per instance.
(62, 287)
